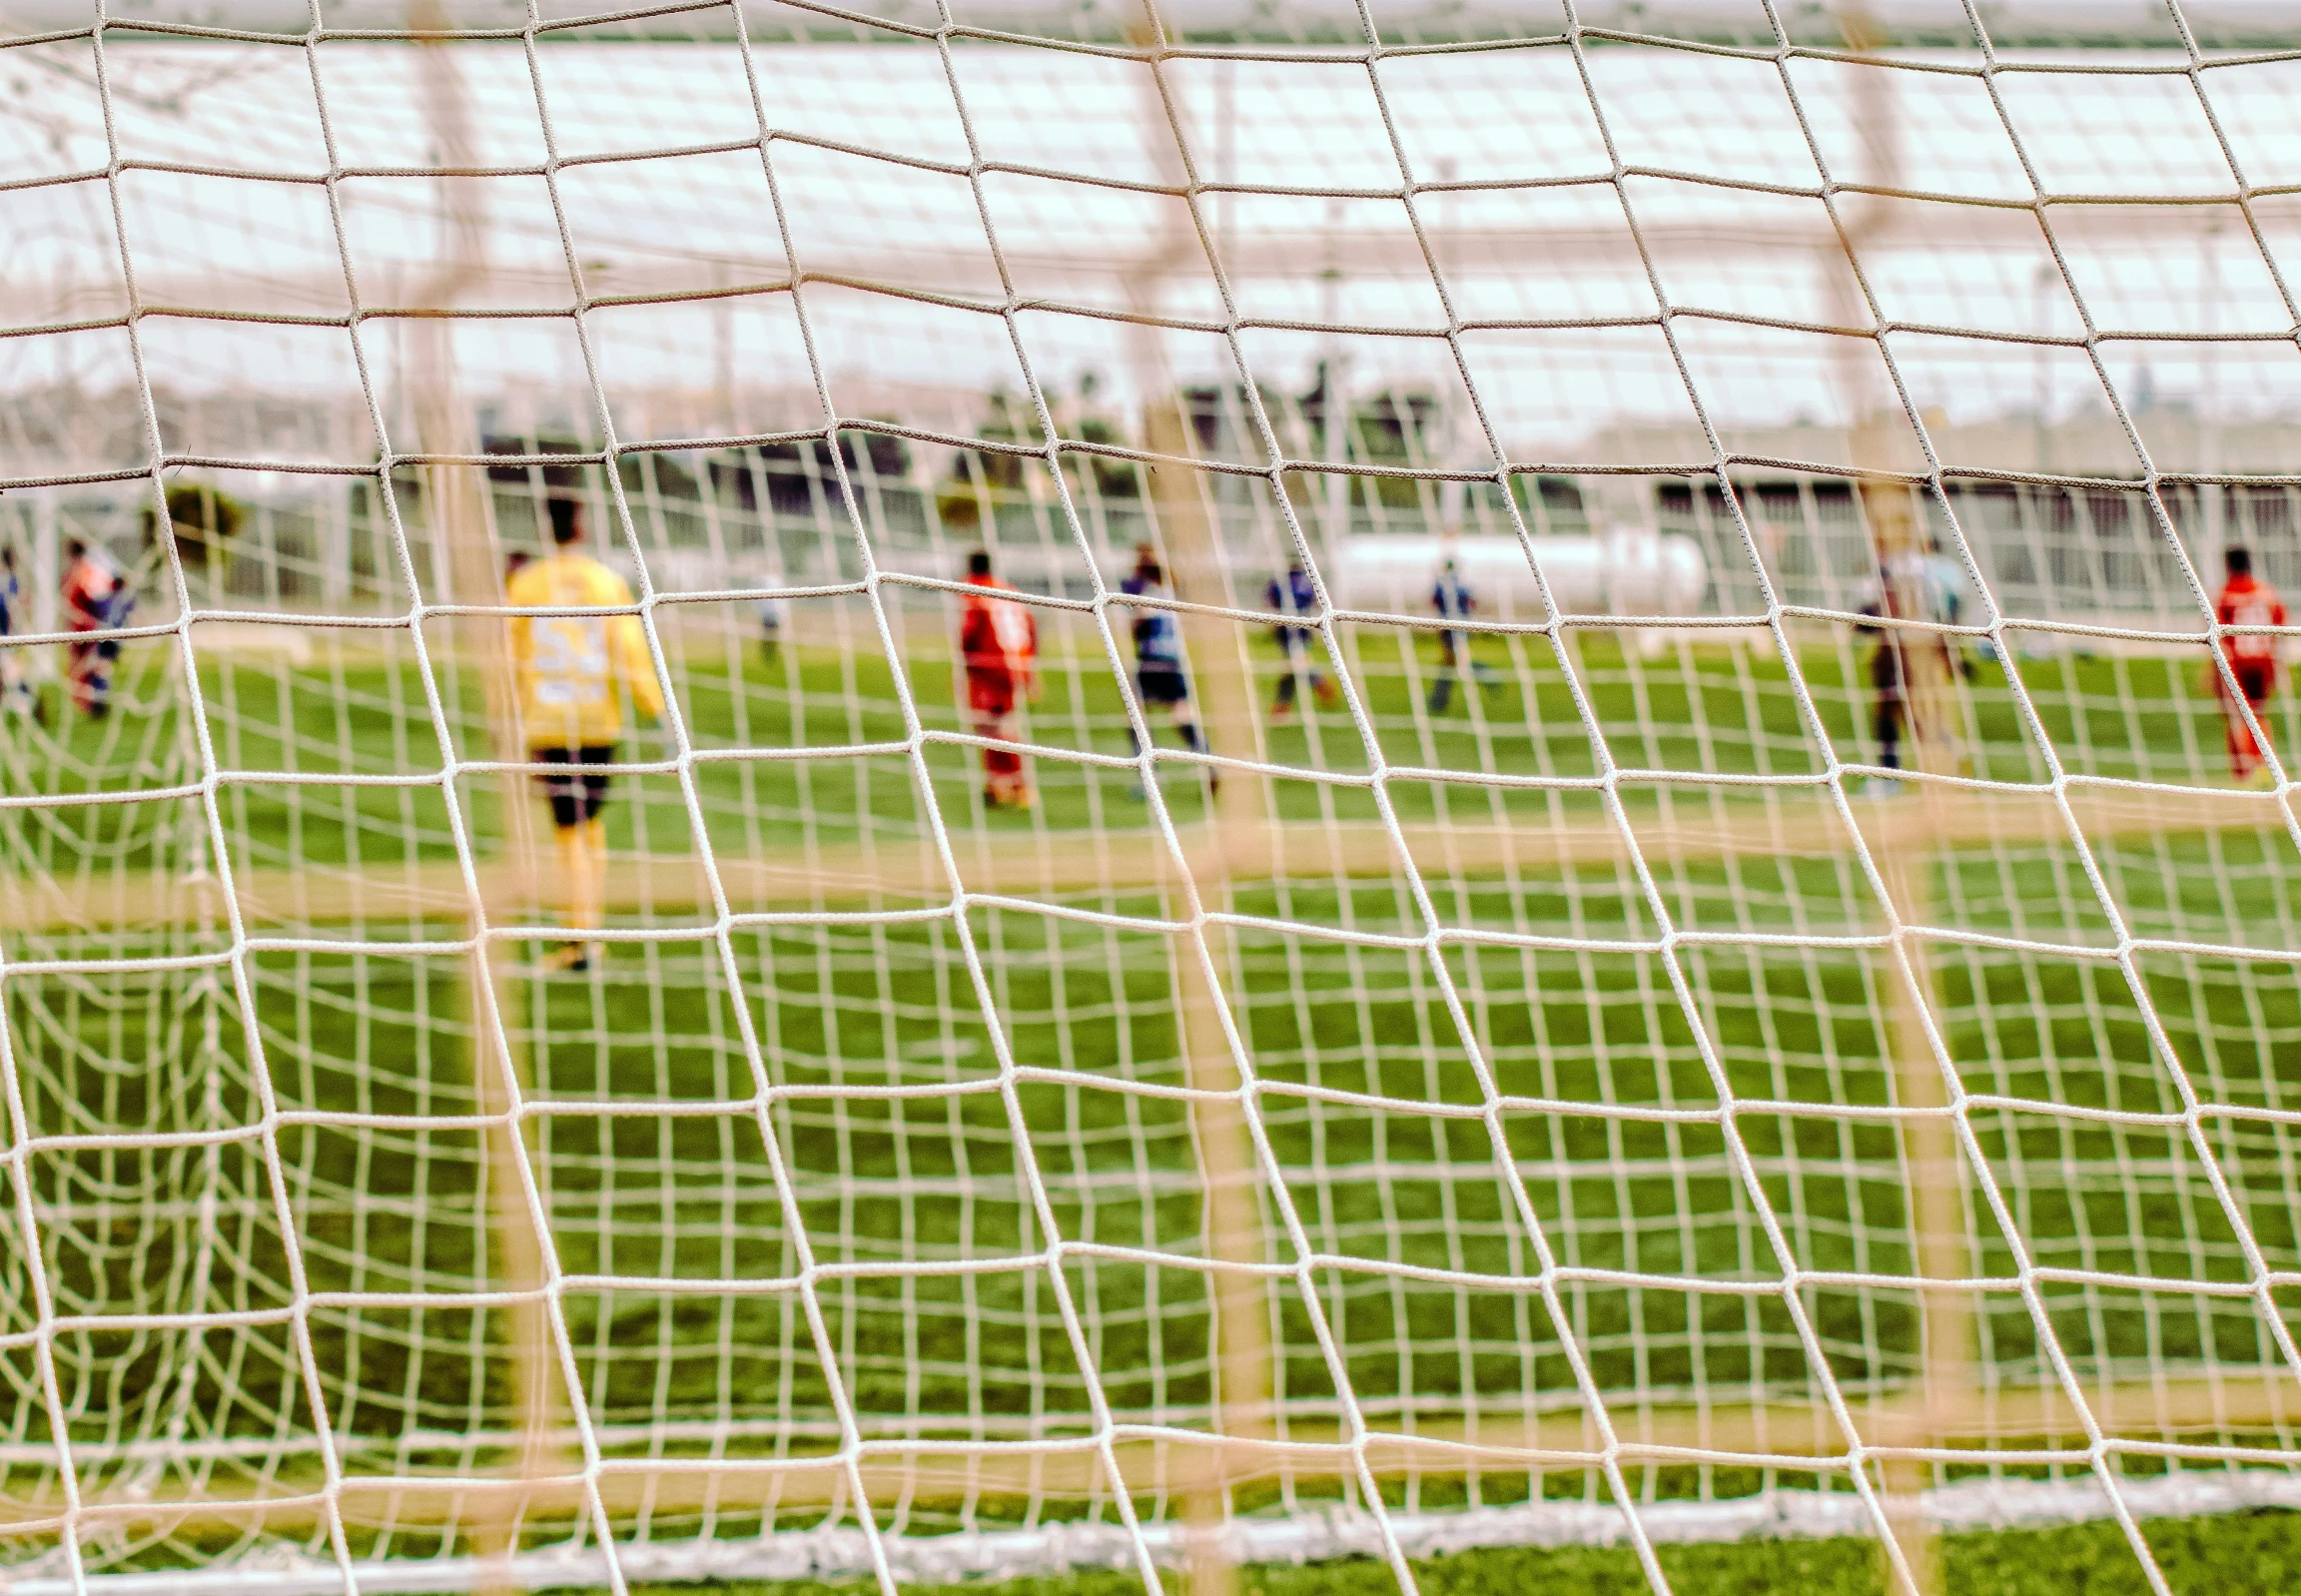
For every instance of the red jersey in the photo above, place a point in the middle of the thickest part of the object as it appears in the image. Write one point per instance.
(2247, 601)
(997, 634)
(91, 594)
(999, 641)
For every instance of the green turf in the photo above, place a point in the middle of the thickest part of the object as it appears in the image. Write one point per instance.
(402, 1206)
(1722, 709)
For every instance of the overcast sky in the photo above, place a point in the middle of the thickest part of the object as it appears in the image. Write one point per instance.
(1544, 247)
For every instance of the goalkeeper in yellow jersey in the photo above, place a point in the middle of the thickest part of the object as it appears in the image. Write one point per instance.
(570, 670)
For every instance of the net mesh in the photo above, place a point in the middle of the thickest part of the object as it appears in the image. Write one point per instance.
(1775, 1019)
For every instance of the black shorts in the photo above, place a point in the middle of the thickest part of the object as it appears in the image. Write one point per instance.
(576, 796)
(1163, 686)
(2255, 679)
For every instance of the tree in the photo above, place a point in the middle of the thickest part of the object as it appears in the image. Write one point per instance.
(203, 520)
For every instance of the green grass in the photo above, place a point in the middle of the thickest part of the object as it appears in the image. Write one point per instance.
(401, 1204)
(2253, 1554)
(1728, 710)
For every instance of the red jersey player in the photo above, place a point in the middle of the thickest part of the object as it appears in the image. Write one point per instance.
(2251, 656)
(999, 642)
(97, 600)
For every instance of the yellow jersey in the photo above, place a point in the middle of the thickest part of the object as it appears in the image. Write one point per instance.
(568, 665)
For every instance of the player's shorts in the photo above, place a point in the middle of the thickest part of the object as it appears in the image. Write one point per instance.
(576, 795)
(1163, 686)
(2257, 678)
(990, 693)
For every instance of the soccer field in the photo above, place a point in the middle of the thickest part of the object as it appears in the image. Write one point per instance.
(925, 1139)
(1701, 993)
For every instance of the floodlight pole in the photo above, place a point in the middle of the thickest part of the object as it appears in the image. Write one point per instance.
(2041, 373)
(1334, 446)
(2212, 498)
(723, 347)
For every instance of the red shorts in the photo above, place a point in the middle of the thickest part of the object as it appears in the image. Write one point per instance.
(2256, 680)
(990, 692)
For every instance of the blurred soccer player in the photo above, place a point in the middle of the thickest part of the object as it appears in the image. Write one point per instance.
(999, 640)
(1906, 669)
(773, 613)
(2246, 601)
(97, 600)
(570, 668)
(15, 687)
(1452, 599)
(1292, 595)
(1159, 674)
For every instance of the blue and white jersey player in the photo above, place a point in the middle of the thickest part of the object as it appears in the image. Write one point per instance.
(1292, 595)
(1452, 601)
(1159, 677)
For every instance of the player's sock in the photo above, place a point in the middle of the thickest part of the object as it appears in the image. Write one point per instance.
(567, 841)
(575, 890)
(595, 863)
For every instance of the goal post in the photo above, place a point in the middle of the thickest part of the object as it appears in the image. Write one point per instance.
(1651, 907)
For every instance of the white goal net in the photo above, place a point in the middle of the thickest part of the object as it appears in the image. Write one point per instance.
(1637, 882)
